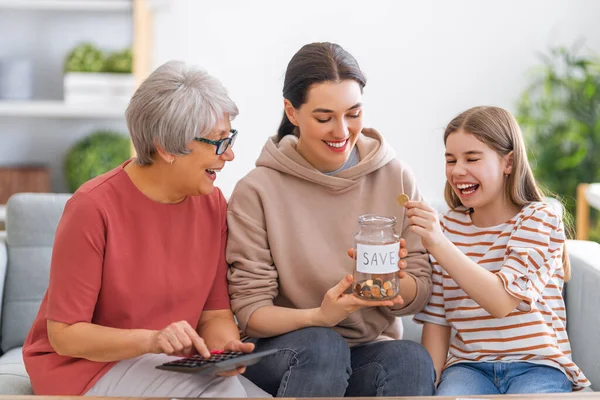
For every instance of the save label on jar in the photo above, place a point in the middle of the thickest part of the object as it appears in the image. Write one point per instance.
(377, 259)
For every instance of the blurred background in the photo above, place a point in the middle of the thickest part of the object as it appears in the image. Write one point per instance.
(68, 67)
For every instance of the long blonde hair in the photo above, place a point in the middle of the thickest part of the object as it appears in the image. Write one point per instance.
(498, 129)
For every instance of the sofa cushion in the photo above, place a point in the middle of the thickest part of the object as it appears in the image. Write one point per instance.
(13, 376)
(31, 221)
(412, 330)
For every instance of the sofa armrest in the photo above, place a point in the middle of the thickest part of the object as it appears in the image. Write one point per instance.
(582, 298)
(3, 256)
(3, 266)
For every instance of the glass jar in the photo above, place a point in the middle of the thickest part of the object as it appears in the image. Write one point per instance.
(376, 269)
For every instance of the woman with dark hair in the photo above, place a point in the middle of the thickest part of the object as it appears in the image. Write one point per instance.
(291, 222)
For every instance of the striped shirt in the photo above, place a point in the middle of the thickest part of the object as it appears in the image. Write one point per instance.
(526, 253)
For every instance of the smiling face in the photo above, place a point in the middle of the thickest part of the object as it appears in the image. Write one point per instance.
(329, 123)
(475, 171)
(198, 170)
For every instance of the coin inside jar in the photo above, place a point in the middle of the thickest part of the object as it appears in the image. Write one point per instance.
(375, 289)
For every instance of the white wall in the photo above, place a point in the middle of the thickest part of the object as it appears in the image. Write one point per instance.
(425, 61)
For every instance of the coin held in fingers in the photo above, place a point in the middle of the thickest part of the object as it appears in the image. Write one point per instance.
(402, 199)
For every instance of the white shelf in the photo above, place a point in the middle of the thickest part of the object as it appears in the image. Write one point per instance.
(67, 5)
(59, 109)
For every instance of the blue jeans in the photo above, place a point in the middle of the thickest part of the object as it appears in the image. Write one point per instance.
(483, 378)
(317, 362)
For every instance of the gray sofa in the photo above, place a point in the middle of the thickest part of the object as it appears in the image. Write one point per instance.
(25, 262)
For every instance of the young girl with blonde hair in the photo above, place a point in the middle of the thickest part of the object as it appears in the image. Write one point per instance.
(499, 266)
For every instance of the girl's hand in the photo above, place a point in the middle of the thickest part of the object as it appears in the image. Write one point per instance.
(337, 305)
(237, 345)
(179, 338)
(423, 221)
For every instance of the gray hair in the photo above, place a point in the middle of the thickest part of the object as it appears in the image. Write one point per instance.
(172, 106)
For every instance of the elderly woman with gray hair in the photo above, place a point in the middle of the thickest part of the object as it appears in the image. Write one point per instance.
(138, 271)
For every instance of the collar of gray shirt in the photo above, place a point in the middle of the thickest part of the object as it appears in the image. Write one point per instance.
(353, 159)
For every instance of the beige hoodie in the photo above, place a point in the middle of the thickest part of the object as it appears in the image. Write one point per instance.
(290, 227)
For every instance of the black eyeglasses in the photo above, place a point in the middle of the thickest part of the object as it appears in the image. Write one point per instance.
(223, 144)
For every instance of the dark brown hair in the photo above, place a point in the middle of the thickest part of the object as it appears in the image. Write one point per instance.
(316, 63)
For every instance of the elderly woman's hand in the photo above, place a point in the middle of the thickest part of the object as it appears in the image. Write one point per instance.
(237, 345)
(178, 338)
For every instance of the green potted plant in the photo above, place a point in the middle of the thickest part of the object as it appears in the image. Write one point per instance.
(119, 62)
(85, 57)
(559, 113)
(92, 77)
(94, 155)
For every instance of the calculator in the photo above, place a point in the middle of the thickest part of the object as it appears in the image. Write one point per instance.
(219, 361)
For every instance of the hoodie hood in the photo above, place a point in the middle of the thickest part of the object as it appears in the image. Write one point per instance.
(374, 153)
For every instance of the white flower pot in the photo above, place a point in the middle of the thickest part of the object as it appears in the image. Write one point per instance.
(98, 88)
